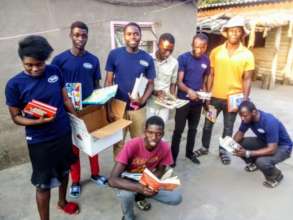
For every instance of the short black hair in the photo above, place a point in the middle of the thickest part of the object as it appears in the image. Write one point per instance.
(79, 24)
(155, 120)
(167, 36)
(132, 24)
(34, 46)
(250, 106)
(201, 36)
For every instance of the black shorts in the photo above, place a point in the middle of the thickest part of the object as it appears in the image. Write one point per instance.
(51, 161)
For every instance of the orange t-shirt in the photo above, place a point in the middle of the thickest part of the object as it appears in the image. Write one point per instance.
(229, 70)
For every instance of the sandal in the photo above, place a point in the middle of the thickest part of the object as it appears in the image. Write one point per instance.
(143, 205)
(71, 208)
(99, 180)
(272, 183)
(193, 159)
(251, 167)
(201, 152)
(74, 191)
(224, 157)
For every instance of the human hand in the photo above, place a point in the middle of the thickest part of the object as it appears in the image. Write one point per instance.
(44, 120)
(146, 191)
(192, 95)
(239, 152)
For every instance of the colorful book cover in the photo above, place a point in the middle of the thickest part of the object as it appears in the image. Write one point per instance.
(75, 95)
(101, 96)
(39, 109)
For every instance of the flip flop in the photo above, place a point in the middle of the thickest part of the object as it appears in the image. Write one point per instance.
(71, 208)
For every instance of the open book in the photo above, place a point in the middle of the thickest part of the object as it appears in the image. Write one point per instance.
(204, 95)
(139, 86)
(39, 109)
(229, 144)
(170, 102)
(166, 183)
(101, 96)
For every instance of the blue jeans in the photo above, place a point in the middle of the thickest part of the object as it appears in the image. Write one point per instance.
(266, 164)
(127, 200)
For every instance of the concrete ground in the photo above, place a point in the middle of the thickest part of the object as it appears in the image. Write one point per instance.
(211, 191)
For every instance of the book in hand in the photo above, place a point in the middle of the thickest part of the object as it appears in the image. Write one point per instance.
(170, 102)
(39, 109)
(211, 114)
(139, 86)
(131, 176)
(229, 144)
(233, 101)
(101, 96)
(154, 183)
(74, 94)
(204, 95)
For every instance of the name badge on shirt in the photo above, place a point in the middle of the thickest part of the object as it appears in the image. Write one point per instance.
(53, 79)
(203, 65)
(260, 130)
(87, 65)
(144, 63)
(29, 138)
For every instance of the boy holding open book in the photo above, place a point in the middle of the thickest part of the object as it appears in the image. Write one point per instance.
(149, 152)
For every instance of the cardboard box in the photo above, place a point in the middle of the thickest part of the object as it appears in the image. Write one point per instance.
(92, 133)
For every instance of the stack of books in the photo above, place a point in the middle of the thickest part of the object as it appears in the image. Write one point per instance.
(39, 109)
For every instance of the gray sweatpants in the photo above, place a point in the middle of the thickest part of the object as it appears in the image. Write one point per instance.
(127, 200)
(266, 163)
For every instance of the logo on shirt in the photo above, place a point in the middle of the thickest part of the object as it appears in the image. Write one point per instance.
(203, 65)
(29, 138)
(53, 79)
(144, 63)
(260, 130)
(87, 65)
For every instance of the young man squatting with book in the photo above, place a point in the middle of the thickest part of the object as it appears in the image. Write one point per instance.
(271, 145)
(151, 152)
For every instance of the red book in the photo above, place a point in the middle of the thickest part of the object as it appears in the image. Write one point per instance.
(39, 109)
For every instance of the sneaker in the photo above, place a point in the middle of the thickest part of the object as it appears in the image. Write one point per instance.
(99, 180)
(74, 191)
(251, 167)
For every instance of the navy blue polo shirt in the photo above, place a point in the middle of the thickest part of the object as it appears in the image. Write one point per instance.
(46, 88)
(84, 69)
(268, 129)
(195, 69)
(126, 67)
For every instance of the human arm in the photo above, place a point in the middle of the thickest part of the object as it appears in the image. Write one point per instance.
(19, 119)
(181, 86)
(247, 80)
(116, 181)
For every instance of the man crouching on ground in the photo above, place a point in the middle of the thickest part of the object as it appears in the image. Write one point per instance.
(151, 152)
(271, 145)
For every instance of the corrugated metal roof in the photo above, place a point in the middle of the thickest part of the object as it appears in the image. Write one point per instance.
(235, 3)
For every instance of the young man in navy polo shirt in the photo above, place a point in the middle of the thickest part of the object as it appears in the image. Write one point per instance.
(123, 66)
(193, 72)
(80, 66)
(271, 145)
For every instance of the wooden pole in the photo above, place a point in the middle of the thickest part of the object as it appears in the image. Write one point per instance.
(275, 58)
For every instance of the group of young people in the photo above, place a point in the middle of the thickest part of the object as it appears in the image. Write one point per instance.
(228, 70)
